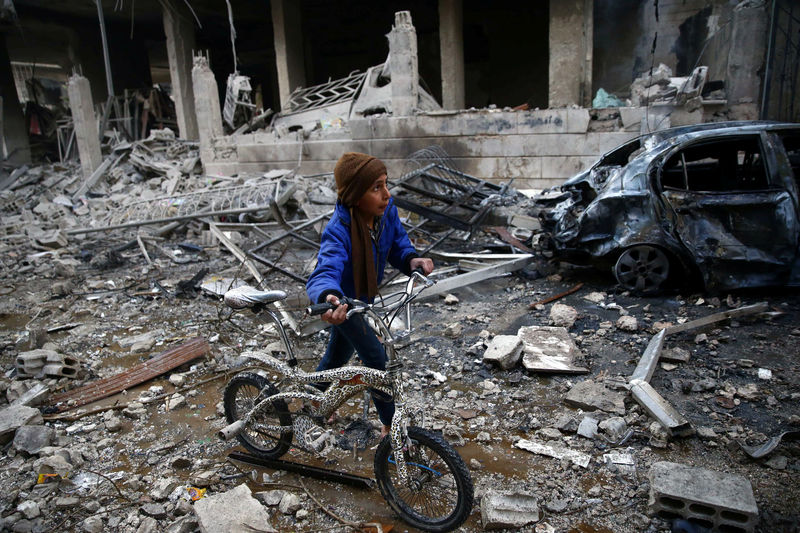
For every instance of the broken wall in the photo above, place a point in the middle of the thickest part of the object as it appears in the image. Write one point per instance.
(690, 33)
(537, 148)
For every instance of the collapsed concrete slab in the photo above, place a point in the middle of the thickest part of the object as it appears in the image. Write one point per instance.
(508, 510)
(721, 501)
(549, 349)
(235, 511)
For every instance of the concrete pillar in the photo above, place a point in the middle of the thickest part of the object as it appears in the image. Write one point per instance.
(451, 46)
(179, 29)
(85, 123)
(746, 53)
(403, 65)
(570, 36)
(13, 127)
(206, 106)
(286, 27)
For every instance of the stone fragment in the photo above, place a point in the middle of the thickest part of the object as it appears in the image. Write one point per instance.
(177, 380)
(154, 510)
(13, 417)
(590, 396)
(93, 524)
(563, 315)
(588, 427)
(271, 498)
(176, 401)
(163, 488)
(113, 424)
(147, 525)
(508, 510)
(503, 350)
(451, 299)
(234, 511)
(675, 355)
(290, 503)
(567, 424)
(29, 508)
(627, 323)
(614, 428)
(31, 439)
(53, 464)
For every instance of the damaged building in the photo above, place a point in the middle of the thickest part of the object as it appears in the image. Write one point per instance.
(166, 176)
(308, 80)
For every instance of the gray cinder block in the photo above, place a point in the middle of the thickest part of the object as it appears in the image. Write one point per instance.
(718, 501)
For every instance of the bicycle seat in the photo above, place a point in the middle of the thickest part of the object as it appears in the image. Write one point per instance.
(246, 296)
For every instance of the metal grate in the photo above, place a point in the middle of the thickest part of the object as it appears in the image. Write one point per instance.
(325, 94)
(445, 195)
(206, 202)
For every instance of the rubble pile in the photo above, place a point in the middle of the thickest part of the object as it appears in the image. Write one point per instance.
(530, 377)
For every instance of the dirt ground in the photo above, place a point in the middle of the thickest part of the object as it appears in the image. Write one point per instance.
(718, 390)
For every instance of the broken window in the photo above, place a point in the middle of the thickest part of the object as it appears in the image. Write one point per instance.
(791, 143)
(719, 166)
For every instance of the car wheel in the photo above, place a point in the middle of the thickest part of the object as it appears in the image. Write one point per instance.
(642, 269)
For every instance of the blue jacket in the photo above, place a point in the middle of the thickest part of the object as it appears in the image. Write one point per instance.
(334, 271)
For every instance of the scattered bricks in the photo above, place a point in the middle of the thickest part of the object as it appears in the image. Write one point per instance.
(715, 500)
(42, 362)
(53, 239)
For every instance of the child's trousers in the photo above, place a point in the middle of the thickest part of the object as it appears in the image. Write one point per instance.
(355, 335)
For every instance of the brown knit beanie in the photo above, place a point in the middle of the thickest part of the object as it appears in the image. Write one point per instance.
(355, 173)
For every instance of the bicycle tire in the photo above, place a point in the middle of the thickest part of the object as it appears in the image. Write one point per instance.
(440, 503)
(240, 396)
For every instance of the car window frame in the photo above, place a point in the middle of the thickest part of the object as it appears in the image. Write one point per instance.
(766, 157)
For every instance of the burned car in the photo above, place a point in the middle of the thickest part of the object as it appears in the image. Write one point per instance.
(712, 203)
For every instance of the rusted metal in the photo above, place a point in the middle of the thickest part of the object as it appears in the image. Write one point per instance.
(172, 358)
(558, 296)
(504, 234)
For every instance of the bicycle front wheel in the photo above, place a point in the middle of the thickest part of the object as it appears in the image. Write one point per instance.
(439, 497)
(243, 392)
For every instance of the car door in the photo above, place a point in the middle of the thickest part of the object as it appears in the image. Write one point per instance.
(738, 222)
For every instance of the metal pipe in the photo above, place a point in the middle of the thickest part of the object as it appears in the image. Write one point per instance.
(770, 57)
(109, 83)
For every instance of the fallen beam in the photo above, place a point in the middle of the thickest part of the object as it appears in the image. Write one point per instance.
(558, 296)
(760, 307)
(647, 363)
(315, 472)
(462, 280)
(102, 388)
(106, 165)
(652, 402)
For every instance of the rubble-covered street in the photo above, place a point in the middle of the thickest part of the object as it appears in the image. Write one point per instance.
(535, 396)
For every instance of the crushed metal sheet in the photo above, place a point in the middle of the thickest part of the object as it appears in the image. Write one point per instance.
(652, 402)
(164, 362)
(760, 307)
(757, 452)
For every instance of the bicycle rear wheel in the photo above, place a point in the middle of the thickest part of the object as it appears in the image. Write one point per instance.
(241, 394)
(440, 495)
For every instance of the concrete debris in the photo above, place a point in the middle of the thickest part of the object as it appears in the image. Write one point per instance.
(40, 363)
(508, 510)
(591, 396)
(235, 510)
(31, 439)
(504, 351)
(563, 315)
(12, 418)
(574, 456)
(549, 350)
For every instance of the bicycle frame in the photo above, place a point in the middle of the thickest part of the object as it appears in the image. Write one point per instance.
(346, 382)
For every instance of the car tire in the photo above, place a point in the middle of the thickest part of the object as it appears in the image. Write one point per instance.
(643, 269)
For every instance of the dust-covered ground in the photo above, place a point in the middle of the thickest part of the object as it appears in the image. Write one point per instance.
(126, 467)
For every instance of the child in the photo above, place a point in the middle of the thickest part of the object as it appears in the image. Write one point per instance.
(363, 233)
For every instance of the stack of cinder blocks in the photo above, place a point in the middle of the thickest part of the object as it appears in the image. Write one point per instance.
(717, 501)
(40, 363)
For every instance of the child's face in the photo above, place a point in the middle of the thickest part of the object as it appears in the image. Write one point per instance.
(376, 198)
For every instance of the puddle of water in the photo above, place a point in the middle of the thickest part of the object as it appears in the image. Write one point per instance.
(13, 321)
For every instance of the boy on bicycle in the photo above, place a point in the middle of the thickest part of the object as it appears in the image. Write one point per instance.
(362, 235)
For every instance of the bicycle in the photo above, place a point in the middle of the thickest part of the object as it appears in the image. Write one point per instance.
(427, 485)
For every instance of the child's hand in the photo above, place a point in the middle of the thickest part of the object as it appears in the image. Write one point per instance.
(335, 316)
(425, 263)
